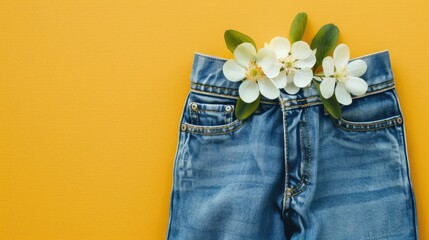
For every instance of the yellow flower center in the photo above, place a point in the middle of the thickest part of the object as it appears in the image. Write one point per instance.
(288, 63)
(254, 72)
(341, 74)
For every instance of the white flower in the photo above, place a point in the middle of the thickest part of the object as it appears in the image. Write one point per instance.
(346, 76)
(296, 62)
(256, 68)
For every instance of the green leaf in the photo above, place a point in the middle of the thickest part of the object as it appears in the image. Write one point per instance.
(298, 27)
(332, 105)
(324, 42)
(234, 38)
(243, 110)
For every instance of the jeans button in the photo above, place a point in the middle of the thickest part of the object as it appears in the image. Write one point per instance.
(183, 127)
(228, 108)
(399, 120)
(194, 106)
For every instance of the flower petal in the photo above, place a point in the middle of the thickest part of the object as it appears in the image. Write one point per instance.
(265, 52)
(327, 87)
(307, 62)
(268, 88)
(271, 67)
(245, 53)
(233, 71)
(301, 50)
(290, 87)
(281, 46)
(303, 77)
(248, 91)
(267, 60)
(341, 55)
(357, 68)
(342, 95)
(328, 66)
(356, 86)
(280, 80)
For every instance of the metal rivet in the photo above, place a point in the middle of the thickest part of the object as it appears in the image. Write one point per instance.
(194, 106)
(228, 108)
(183, 127)
(399, 120)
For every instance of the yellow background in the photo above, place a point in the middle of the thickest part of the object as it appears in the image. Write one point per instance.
(91, 93)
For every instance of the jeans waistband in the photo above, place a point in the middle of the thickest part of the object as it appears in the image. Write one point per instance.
(207, 78)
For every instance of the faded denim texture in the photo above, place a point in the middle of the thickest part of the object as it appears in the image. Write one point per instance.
(290, 171)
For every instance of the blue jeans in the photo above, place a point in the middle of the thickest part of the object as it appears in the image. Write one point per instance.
(290, 171)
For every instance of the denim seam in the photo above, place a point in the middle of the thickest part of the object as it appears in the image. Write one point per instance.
(405, 148)
(355, 97)
(404, 172)
(365, 127)
(173, 179)
(286, 151)
(207, 85)
(214, 127)
(297, 186)
(226, 95)
(213, 111)
(387, 82)
(364, 130)
(308, 147)
(217, 133)
(306, 152)
(370, 123)
(389, 85)
(300, 191)
(185, 171)
(304, 157)
(214, 130)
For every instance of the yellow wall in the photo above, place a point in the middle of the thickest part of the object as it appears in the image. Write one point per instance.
(91, 93)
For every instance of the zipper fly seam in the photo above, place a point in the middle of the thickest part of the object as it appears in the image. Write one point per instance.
(287, 192)
(304, 137)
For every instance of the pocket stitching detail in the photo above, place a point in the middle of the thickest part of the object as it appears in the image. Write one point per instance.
(367, 126)
(214, 130)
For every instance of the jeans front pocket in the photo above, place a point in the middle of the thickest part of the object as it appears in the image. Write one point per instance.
(371, 113)
(210, 115)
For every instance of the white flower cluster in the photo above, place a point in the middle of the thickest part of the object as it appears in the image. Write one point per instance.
(282, 65)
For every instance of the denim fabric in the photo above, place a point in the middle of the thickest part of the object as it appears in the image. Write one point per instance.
(290, 171)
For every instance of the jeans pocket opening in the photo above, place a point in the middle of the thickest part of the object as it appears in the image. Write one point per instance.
(213, 130)
(368, 126)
